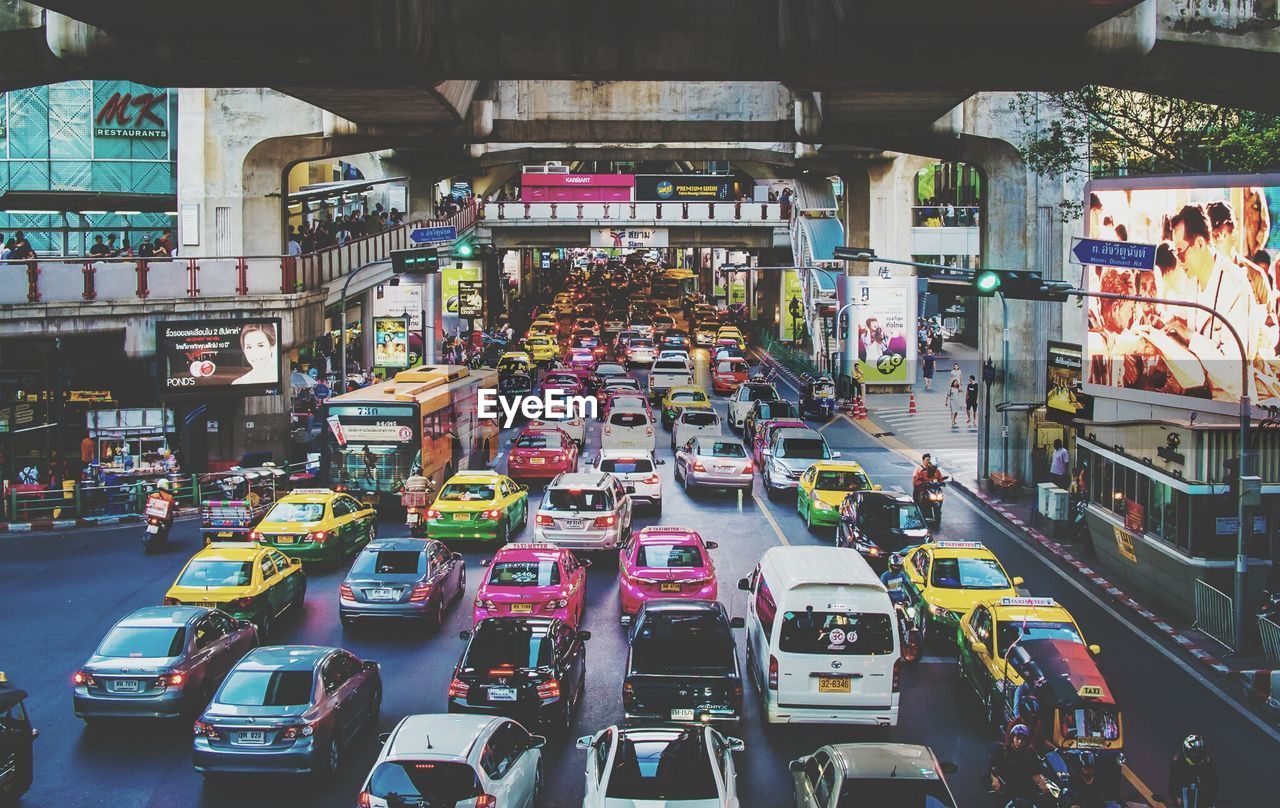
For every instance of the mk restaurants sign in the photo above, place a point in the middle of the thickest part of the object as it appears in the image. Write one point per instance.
(128, 115)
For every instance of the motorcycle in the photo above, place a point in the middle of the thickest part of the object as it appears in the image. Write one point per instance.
(1270, 608)
(159, 515)
(415, 497)
(909, 631)
(1053, 794)
(929, 498)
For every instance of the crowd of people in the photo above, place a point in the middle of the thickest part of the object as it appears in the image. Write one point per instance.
(328, 231)
(18, 248)
(933, 212)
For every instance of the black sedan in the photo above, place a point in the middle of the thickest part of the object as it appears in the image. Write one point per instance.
(415, 579)
(880, 523)
(531, 669)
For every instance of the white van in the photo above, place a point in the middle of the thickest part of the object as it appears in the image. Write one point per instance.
(822, 638)
(628, 427)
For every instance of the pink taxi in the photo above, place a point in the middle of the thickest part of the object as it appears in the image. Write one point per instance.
(582, 359)
(664, 562)
(533, 580)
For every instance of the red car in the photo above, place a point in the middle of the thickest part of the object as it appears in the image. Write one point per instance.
(765, 433)
(565, 380)
(540, 453)
(728, 374)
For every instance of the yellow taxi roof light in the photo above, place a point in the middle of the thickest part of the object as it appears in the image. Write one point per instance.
(960, 545)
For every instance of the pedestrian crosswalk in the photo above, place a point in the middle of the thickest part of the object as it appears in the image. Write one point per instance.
(954, 450)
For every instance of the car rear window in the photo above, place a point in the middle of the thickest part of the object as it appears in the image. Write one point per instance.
(466, 492)
(629, 419)
(844, 633)
(804, 448)
(296, 512)
(499, 643)
(842, 481)
(760, 392)
(626, 465)
(267, 688)
(543, 572)
(723, 449)
(662, 768)
(390, 562)
(143, 641)
(537, 440)
(409, 782)
(688, 395)
(576, 499)
(669, 556)
(892, 515)
(562, 378)
(731, 367)
(217, 573)
(670, 366)
(700, 418)
(694, 640)
(641, 343)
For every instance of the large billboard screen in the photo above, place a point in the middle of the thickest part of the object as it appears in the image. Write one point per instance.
(884, 313)
(1064, 399)
(1218, 245)
(684, 188)
(233, 356)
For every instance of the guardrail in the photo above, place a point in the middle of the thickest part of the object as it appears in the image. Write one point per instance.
(621, 213)
(798, 361)
(1214, 616)
(1269, 633)
(936, 216)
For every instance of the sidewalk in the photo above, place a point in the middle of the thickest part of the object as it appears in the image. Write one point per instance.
(82, 522)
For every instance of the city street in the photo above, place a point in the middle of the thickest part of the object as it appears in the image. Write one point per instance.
(60, 593)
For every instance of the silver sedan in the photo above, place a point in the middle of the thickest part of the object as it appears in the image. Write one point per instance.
(714, 461)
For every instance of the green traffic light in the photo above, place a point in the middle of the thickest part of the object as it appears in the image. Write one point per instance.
(987, 282)
(464, 250)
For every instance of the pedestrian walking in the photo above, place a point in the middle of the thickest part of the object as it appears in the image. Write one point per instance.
(956, 375)
(971, 401)
(1060, 465)
(930, 361)
(953, 402)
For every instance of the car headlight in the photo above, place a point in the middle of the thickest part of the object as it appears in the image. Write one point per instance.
(779, 467)
(822, 506)
(938, 611)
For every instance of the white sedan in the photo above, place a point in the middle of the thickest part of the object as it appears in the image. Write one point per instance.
(694, 422)
(660, 767)
(746, 395)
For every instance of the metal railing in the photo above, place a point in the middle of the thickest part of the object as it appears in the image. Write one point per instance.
(1214, 615)
(797, 361)
(1269, 633)
(936, 216)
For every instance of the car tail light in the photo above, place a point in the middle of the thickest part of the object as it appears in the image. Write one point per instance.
(697, 466)
(750, 468)
(296, 731)
(558, 457)
(897, 682)
(552, 605)
(773, 672)
(83, 678)
(503, 670)
(171, 602)
(432, 513)
(545, 520)
(549, 689)
(492, 513)
(458, 689)
(737, 693)
(240, 603)
(628, 695)
(170, 680)
(364, 800)
(206, 730)
(604, 521)
(481, 603)
(320, 537)
(256, 535)
(420, 593)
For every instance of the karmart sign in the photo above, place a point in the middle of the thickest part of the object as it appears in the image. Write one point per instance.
(135, 116)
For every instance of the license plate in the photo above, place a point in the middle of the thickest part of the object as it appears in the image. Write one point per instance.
(126, 686)
(521, 608)
(573, 524)
(285, 539)
(153, 529)
(723, 468)
(252, 736)
(502, 694)
(682, 715)
(224, 534)
(381, 594)
(413, 519)
(461, 517)
(669, 588)
(537, 461)
(207, 604)
(631, 489)
(833, 684)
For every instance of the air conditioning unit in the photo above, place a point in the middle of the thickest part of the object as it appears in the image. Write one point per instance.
(1052, 502)
(555, 167)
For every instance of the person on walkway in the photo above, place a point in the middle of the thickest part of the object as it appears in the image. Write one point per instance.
(1060, 465)
(956, 375)
(930, 361)
(971, 401)
(953, 401)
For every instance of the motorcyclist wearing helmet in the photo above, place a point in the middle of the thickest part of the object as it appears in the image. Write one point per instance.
(927, 473)
(1193, 768)
(1028, 715)
(1084, 788)
(1015, 770)
(895, 579)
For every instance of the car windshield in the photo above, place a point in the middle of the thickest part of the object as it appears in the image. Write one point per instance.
(891, 516)
(694, 640)
(143, 641)
(267, 688)
(722, 449)
(390, 562)
(626, 465)
(515, 384)
(543, 572)
(832, 632)
(629, 419)
(576, 499)
(216, 573)
(969, 573)
(426, 783)
(466, 492)
(899, 792)
(538, 440)
(669, 556)
(700, 418)
(1009, 630)
(657, 767)
(778, 409)
(296, 512)
(641, 343)
(505, 642)
(804, 449)
(610, 370)
(842, 481)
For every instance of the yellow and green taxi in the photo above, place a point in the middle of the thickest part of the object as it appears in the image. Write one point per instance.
(542, 349)
(479, 505)
(683, 397)
(515, 362)
(317, 524)
(992, 628)
(247, 581)
(542, 328)
(731, 332)
(824, 485)
(952, 577)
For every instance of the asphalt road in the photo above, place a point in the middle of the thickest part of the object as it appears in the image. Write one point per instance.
(60, 593)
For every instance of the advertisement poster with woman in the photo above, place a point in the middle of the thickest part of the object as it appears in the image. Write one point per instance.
(391, 342)
(240, 355)
(1217, 244)
(884, 314)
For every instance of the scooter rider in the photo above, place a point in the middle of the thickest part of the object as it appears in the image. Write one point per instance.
(895, 579)
(1193, 771)
(162, 492)
(927, 473)
(1015, 770)
(1084, 790)
(1029, 716)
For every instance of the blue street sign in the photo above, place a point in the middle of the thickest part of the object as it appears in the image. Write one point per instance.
(321, 391)
(433, 235)
(1120, 254)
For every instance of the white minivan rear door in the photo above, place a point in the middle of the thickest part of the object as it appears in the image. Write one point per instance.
(833, 655)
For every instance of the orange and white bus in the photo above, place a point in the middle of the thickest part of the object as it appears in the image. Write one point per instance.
(424, 417)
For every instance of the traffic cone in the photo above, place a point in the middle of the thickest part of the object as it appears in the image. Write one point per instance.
(862, 407)
(911, 405)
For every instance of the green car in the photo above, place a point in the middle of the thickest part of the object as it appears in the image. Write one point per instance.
(317, 524)
(823, 487)
(479, 505)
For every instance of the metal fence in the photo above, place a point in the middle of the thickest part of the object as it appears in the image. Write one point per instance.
(798, 361)
(1269, 633)
(1214, 616)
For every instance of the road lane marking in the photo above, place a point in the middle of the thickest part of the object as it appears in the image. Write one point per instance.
(1140, 787)
(773, 523)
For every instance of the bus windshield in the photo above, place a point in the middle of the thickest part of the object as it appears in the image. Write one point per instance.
(371, 447)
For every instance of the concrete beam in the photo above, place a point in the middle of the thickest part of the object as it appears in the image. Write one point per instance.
(742, 238)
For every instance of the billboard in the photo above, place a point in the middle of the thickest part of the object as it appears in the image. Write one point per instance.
(684, 188)
(449, 279)
(793, 321)
(404, 300)
(233, 356)
(884, 314)
(391, 342)
(1217, 244)
(629, 238)
(470, 299)
(1064, 398)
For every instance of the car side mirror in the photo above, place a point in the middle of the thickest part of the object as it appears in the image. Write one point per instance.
(383, 737)
(297, 562)
(465, 634)
(737, 622)
(711, 545)
(1095, 649)
(797, 765)
(586, 562)
(243, 624)
(584, 635)
(537, 741)
(877, 487)
(736, 745)
(834, 455)
(35, 733)
(949, 768)
(370, 665)
(484, 562)
(1017, 580)
(522, 487)
(583, 743)
(744, 584)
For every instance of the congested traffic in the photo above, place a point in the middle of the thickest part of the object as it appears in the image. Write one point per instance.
(813, 634)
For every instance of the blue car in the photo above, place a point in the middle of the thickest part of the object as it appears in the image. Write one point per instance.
(288, 709)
